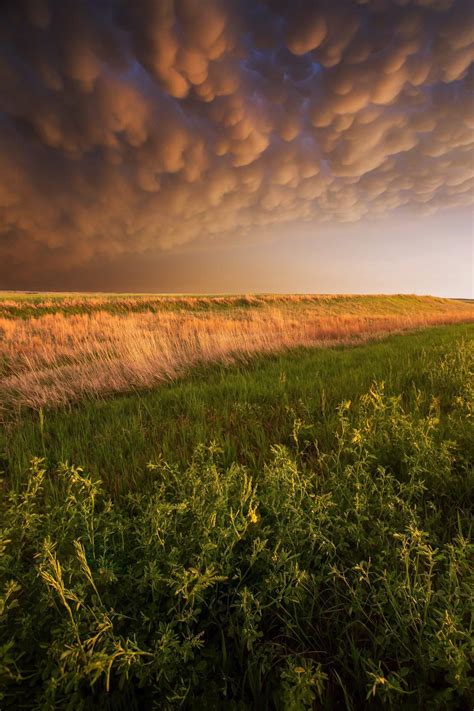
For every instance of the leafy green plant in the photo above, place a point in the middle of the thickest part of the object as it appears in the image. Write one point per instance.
(338, 573)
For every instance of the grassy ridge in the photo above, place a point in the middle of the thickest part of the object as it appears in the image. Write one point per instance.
(17, 305)
(315, 554)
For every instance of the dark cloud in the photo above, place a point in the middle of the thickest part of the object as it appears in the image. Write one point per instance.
(131, 125)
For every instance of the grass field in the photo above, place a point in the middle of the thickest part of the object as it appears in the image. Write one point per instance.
(287, 531)
(102, 345)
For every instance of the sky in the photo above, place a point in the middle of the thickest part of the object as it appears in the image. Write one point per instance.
(226, 146)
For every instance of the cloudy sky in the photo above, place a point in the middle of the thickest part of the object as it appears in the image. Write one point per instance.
(237, 145)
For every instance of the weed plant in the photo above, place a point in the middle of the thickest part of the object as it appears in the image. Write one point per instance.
(336, 574)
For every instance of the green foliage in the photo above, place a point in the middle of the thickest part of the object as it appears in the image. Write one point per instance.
(338, 573)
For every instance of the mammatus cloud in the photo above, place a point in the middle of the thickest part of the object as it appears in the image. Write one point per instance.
(128, 125)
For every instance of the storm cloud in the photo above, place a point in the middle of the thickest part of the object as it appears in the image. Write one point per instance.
(136, 125)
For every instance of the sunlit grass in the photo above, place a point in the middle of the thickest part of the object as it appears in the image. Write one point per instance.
(55, 358)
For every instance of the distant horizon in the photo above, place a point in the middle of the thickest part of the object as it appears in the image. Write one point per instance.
(228, 293)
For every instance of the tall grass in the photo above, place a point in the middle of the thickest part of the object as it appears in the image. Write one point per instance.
(336, 575)
(60, 357)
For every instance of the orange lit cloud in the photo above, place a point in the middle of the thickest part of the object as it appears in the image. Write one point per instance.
(137, 125)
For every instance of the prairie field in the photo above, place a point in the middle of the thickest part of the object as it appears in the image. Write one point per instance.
(56, 350)
(255, 502)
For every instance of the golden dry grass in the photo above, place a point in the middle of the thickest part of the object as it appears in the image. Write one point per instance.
(57, 358)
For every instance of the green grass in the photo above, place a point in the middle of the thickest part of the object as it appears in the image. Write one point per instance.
(285, 534)
(245, 408)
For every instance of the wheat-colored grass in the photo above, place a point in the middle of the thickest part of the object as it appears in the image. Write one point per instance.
(56, 358)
